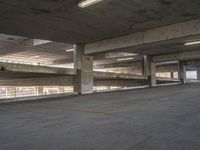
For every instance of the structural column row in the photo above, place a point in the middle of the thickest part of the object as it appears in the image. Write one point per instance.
(83, 65)
(149, 70)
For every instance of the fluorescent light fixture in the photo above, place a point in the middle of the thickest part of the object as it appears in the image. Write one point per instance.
(86, 3)
(37, 42)
(69, 50)
(123, 59)
(192, 43)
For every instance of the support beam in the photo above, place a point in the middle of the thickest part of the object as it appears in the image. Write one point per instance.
(98, 59)
(11, 92)
(189, 55)
(61, 89)
(39, 90)
(83, 66)
(182, 71)
(166, 68)
(171, 75)
(198, 74)
(150, 70)
(152, 36)
(153, 74)
(145, 68)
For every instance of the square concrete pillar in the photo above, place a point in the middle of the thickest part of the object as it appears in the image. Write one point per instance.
(149, 70)
(39, 90)
(10, 92)
(172, 75)
(153, 74)
(198, 74)
(83, 65)
(182, 71)
(61, 89)
(145, 66)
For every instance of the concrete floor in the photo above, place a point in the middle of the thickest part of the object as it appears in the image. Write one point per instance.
(164, 118)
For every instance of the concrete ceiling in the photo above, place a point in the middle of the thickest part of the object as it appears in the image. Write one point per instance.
(15, 49)
(22, 50)
(62, 20)
(11, 38)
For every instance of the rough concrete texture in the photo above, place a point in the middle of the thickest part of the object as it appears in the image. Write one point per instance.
(63, 21)
(164, 118)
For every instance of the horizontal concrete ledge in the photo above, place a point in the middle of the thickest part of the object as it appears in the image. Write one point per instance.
(167, 79)
(35, 69)
(117, 75)
(44, 97)
(8, 68)
(167, 84)
(160, 34)
(31, 98)
(192, 81)
(123, 89)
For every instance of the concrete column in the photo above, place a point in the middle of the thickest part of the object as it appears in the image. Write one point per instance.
(61, 89)
(182, 71)
(10, 92)
(145, 66)
(153, 74)
(83, 64)
(198, 74)
(150, 70)
(39, 90)
(172, 74)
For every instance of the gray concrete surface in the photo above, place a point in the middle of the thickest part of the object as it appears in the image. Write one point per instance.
(164, 118)
(63, 21)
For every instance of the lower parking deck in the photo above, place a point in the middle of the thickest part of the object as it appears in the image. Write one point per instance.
(163, 118)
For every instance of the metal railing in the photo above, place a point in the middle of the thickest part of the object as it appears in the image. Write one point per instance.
(15, 92)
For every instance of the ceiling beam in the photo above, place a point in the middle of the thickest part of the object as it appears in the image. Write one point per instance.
(167, 68)
(189, 55)
(152, 36)
(99, 60)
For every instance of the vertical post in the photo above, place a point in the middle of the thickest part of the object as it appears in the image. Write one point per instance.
(172, 75)
(153, 74)
(61, 89)
(145, 66)
(182, 71)
(83, 65)
(11, 92)
(39, 90)
(149, 68)
(198, 74)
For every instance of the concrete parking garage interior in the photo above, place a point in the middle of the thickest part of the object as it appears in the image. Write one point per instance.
(100, 74)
